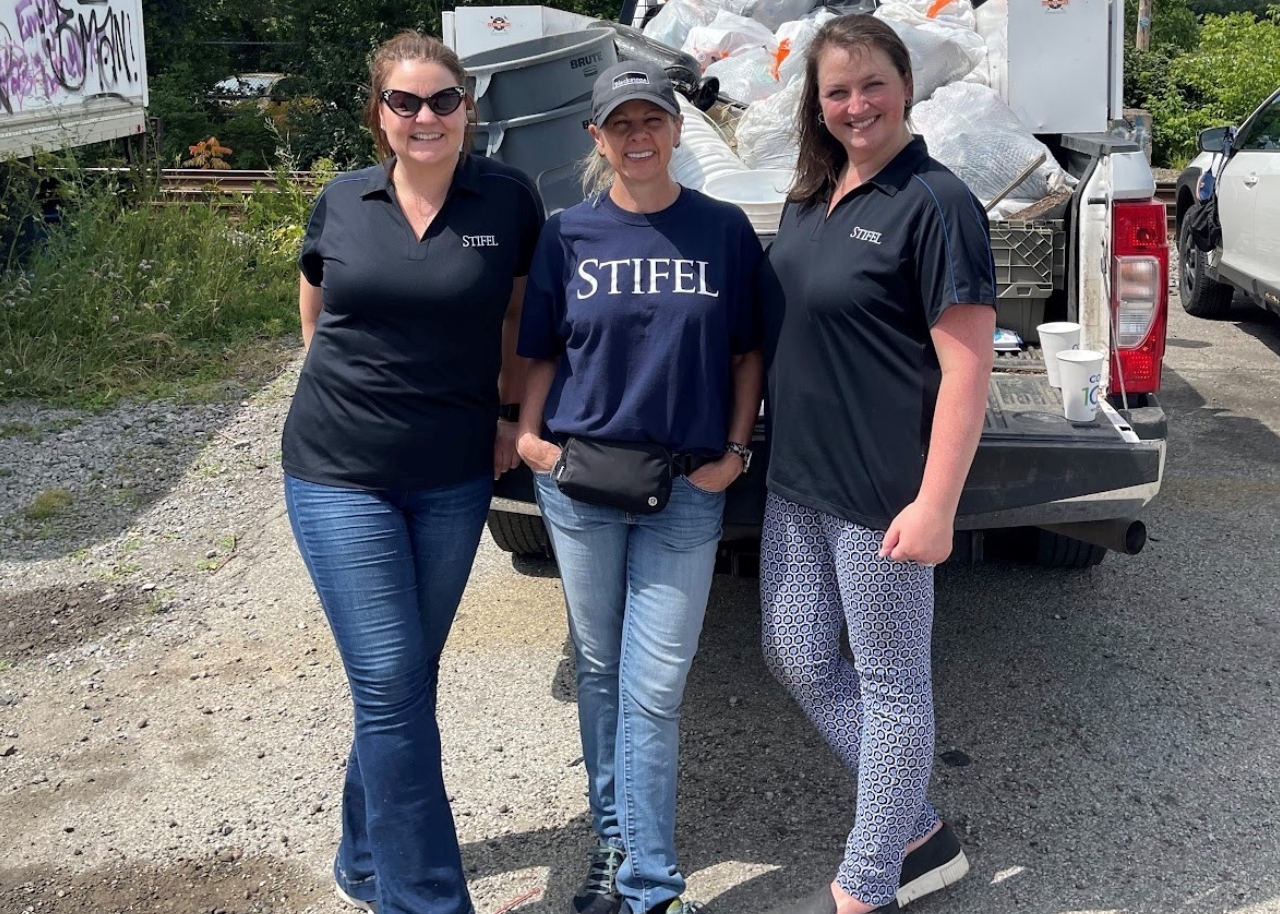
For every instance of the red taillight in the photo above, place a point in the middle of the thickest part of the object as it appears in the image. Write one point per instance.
(1139, 296)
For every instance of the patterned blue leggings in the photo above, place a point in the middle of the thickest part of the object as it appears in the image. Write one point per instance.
(817, 573)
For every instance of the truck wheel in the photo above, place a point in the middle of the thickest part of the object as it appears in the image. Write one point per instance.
(1201, 296)
(1053, 550)
(520, 534)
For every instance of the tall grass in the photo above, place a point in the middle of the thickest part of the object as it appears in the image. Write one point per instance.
(126, 296)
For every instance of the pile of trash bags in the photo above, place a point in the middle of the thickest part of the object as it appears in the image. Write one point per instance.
(756, 48)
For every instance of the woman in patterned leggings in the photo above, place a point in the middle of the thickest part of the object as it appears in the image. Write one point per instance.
(878, 296)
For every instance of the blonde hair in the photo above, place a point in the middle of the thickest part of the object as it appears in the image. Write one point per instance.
(410, 46)
(597, 173)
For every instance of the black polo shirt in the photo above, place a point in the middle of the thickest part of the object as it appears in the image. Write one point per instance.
(399, 389)
(849, 301)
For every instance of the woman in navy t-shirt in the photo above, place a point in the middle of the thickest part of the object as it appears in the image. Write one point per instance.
(640, 320)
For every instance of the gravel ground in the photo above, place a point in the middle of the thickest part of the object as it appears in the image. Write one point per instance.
(173, 719)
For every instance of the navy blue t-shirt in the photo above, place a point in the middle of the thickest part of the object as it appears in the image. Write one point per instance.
(645, 311)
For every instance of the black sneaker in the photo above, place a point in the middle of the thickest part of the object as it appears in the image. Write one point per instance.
(599, 893)
(934, 865)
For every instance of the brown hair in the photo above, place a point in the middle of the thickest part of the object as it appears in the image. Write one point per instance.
(414, 47)
(821, 154)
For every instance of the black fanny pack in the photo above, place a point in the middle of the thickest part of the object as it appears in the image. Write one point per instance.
(632, 476)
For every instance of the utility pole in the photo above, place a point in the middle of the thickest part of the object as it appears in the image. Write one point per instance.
(1143, 38)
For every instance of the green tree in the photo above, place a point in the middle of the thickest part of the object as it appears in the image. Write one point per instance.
(1173, 25)
(1223, 7)
(1235, 68)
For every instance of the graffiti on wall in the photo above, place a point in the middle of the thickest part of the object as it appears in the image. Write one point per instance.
(59, 52)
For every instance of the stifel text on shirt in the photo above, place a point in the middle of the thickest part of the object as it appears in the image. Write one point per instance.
(861, 234)
(645, 276)
(479, 241)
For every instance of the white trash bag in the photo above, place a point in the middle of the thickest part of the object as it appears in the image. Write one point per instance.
(939, 54)
(672, 23)
(773, 13)
(748, 76)
(957, 13)
(797, 36)
(993, 28)
(726, 35)
(973, 132)
(767, 132)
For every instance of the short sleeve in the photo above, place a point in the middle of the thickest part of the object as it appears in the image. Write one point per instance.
(531, 223)
(542, 319)
(745, 330)
(310, 258)
(952, 249)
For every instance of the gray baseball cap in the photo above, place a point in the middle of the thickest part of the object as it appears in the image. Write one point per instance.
(628, 81)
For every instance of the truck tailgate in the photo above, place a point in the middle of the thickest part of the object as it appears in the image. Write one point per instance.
(1035, 466)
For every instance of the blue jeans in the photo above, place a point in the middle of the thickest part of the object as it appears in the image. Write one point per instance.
(636, 587)
(390, 568)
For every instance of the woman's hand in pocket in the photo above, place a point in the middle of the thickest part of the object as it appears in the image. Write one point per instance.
(718, 475)
(540, 455)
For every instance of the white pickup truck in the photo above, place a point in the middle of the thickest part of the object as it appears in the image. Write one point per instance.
(71, 72)
(1042, 488)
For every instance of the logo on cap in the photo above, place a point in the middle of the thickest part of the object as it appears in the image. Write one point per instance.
(630, 79)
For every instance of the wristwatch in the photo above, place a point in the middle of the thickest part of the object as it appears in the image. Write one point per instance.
(509, 412)
(742, 451)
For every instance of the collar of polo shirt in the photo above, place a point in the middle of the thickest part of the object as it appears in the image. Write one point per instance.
(465, 177)
(894, 176)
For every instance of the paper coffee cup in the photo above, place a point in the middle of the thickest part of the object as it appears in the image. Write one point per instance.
(1080, 371)
(1054, 338)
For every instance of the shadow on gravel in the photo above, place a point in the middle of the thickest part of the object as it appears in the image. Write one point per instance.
(37, 622)
(225, 883)
(70, 478)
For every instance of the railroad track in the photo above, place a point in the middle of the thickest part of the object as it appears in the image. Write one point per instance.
(196, 182)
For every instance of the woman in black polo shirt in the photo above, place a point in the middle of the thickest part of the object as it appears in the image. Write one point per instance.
(412, 277)
(878, 298)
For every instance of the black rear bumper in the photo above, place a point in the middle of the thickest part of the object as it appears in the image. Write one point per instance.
(1032, 467)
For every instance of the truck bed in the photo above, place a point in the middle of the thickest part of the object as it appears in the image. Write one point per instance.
(1035, 466)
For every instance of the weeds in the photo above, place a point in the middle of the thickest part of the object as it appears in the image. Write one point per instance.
(24, 430)
(123, 295)
(115, 573)
(49, 503)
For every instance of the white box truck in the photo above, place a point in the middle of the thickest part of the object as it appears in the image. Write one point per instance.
(71, 72)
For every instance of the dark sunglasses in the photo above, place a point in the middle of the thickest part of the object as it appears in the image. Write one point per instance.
(406, 104)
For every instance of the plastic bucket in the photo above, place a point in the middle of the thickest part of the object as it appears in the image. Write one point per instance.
(702, 154)
(760, 193)
(543, 74)
(547, 147)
